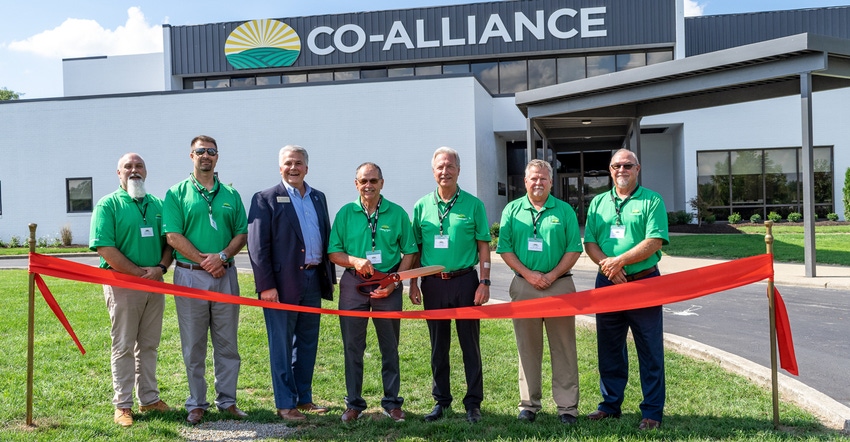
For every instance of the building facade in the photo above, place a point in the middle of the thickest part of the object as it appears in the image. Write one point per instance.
(392, 86)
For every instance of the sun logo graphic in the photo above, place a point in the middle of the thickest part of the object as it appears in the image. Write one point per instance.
(262, 44)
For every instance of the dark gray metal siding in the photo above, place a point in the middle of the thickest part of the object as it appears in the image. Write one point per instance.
(716, 32)
(199, 50)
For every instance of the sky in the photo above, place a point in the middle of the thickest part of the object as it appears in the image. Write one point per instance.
(37, 34)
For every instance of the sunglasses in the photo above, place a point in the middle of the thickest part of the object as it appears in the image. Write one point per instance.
(369, 181)
(627, 166)
(211, 151)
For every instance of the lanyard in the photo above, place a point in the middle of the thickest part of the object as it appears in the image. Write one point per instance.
(451, 204)
(619, 208)
(204, 195)
(142, 212)
(372, 227)
(535, 216)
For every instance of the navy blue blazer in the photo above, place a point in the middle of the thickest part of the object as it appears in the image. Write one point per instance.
(276, 246)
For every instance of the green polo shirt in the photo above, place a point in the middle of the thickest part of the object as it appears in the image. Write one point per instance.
(351, 234)
(134, 228)
(557, 228)
(187, 211)
(465, 224)
(643, 215)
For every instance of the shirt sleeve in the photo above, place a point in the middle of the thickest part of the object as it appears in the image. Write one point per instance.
(506, 231)
(335, 243)
(102, 233)
(656, 225)
(172, 216)
(407, 243)
(482, 228)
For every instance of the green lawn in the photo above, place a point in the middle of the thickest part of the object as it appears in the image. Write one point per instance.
(832, 244)
(73, 391)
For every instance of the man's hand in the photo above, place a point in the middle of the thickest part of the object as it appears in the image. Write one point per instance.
(269, 295)
(383, 292)
(363, 267)
(612, 267)
(415, 294)
(213, 265)
(538, 280)
(482, 294)
(153, 273)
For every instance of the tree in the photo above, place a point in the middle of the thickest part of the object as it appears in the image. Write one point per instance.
(7, 94)
(847, 195)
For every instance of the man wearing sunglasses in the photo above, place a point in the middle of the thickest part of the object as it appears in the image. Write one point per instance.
(288, 241)
(625, 230)
(371, 234)
(204, 220)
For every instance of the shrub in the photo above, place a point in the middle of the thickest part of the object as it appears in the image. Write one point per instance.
(41, 242)
(678, 217)
(701, 206)
(15, 241)
(847, 195)
(66, 235)
(795, 217)
(832, 216)
(3, 243)
(756, 218)
(775, 217)
(735, 218)
(711, 218)
(494, 230)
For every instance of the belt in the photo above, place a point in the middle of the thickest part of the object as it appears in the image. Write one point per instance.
(642, 274)
(565, 275)
(450, 275)
(309, 266)
(186, 265)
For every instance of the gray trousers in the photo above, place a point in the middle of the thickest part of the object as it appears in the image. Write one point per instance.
(195, 317)
(136, 330)
(561, 334)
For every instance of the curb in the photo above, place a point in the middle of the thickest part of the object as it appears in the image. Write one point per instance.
(830, 413)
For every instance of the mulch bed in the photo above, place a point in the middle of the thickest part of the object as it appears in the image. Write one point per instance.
(730, 228)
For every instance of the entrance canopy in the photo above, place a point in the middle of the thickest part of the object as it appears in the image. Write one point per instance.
(612, 105)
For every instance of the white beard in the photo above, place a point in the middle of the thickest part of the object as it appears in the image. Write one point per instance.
(136, 188)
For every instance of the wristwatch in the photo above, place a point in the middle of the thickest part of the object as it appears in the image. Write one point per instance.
(486, 282)
(222, 256)
(164, 268)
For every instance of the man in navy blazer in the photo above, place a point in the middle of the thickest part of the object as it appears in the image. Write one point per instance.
(288, 231)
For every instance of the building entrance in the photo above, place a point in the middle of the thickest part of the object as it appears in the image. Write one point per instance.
(580, 177)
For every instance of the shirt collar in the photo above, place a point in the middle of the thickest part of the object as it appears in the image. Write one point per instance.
(295, 192)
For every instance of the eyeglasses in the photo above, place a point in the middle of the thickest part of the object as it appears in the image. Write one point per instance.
(211, 151)
(627, 166)
(364, 181)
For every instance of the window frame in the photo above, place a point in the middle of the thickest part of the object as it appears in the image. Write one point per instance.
(68, 195)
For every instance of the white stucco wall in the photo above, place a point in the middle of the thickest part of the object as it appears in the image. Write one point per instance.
(115, 74)
(397, 124)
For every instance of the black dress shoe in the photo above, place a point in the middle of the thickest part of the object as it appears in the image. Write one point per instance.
(473, 415)
(527, 415)
(436, 413)
(568, 419)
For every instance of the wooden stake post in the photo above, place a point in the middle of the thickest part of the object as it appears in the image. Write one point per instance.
(31, 330)
(774, 374)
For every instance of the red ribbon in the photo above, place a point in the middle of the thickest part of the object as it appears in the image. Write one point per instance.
(665, 289)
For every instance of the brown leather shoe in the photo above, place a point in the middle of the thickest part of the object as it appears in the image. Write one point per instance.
(310, 407)
(598, 415)
(350, 415)
(195, 416)
(395, 414)
(649, 424)
(123, 417)
(234, 411)
(290, 414)
(159, 405)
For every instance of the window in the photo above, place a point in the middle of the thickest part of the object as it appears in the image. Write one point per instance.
(541, 73)
(293, 78)
(429, 70)
(760, 181)
(488, 75)
(571, 68)
(243, 81)
(456, 68)
(658, 57)
(400, 72)
(373, 73)
(346, 75)
(193, 83)
(513, 76)
(78, 193)
(630, 61)
(313, 77)
(263, 80)
(214, 83)
(600, 64)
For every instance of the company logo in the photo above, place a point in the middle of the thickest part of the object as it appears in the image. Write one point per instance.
(262, 44)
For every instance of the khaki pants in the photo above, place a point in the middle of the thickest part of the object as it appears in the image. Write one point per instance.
(136, 330)
(561, 335)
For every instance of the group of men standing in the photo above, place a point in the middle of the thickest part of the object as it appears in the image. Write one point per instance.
(293, 247)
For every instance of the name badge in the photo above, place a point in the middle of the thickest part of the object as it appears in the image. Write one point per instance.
(441, 241)
(535, 245)
(282, 199)
(618, 232)
(374, 257)
(212, 222)
(147, 232)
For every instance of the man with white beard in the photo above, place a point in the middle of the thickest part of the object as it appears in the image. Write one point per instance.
(126, 231)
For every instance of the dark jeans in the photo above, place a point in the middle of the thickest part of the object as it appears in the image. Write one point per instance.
(451, 293)
(647, 329)
(354, 343)
(293, 341)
